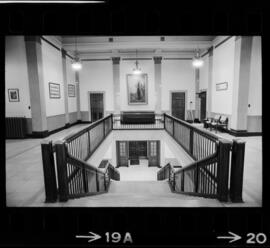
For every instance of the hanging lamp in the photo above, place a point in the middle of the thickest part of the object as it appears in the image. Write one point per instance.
(137, 70)
(197, 61)
(76, 63)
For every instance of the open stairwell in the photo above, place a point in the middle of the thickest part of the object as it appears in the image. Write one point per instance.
(142, 194)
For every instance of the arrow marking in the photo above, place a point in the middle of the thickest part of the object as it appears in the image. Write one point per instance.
(92, 237)
(234, 237)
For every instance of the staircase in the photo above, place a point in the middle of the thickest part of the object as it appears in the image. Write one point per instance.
(142, 194)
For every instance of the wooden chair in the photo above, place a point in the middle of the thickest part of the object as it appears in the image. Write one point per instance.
(214, 122)
(223, 123)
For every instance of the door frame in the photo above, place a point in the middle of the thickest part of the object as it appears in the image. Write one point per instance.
(201, 91)
(178, 91)
(89, 99)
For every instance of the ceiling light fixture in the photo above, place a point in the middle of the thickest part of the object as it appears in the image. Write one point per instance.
(76, 63)
(197, 61)
(137, 70)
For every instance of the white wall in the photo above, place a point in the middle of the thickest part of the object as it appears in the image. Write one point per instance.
(177, 75)
(52, 72)
(255, 84)
(16, 76)
(204, 73)
(96, 76)
(223, 71)
(72, 101)
(126, 67)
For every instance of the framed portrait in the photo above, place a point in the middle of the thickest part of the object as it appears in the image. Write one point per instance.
(13, 95)
(54, 90)
(71, 90)
(137, 89)
(222, 86)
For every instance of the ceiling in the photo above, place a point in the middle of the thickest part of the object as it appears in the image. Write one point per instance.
(107, 46)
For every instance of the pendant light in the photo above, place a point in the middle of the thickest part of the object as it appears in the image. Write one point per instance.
(137, 70)
(76, 63)
(197, 61)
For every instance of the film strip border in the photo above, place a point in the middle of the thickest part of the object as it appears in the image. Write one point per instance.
(99, 19)
(156, 227)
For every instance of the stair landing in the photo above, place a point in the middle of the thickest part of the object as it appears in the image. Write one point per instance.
(142, 194)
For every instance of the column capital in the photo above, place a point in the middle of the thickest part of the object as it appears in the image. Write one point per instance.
(116, 60)
(210, 51)
(29, 38)
(64, 53)
(237, 37)
(157, 59)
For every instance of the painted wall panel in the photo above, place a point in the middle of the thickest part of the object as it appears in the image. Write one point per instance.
(52, 72)
(96, 76)
(72, 101)
(204, 72)
(16, 76)
(177, 75)
(223, 71)
(255, 84)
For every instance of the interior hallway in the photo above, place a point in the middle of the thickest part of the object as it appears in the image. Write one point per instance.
(24, 173)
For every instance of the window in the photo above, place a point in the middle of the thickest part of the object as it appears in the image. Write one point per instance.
(153, 148)
(122, 149)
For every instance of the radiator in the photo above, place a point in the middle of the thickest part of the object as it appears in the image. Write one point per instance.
(15, 127)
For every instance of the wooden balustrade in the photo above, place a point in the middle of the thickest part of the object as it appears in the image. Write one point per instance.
(208, 175)
(74, 176)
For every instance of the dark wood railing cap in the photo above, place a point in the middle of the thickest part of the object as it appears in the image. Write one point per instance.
(45, 141)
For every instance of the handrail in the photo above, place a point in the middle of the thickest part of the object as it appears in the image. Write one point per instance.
(72, 136)
(204, 132)
(83, 165)
(206, 159)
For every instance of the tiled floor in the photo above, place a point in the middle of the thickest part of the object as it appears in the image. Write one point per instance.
(138, 172)
(24, 175)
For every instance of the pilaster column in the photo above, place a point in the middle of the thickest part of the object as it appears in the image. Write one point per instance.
(64, 66)
(36, 85)
(157, 61)
(197, 99)
(77, 81)
(242, 59)
(116, 84)
(210, 80)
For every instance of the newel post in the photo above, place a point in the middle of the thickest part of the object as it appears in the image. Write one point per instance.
(191, 141)
(164, 119)
(223, 169)
(61, 158)
(49, 171)
(237, 170)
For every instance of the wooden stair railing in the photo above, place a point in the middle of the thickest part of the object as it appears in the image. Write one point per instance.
(207, 177)
(76, 178)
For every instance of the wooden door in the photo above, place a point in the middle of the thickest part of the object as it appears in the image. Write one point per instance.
(154, 153)
(137, 149)
(122, 153)
(203, 105)
(96, 106)
(178, 105)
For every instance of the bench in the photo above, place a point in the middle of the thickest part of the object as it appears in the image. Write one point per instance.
(218, 122)
(135, 117)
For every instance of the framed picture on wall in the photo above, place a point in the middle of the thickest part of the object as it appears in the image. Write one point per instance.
(222, 86)
(13, 95)
(54, 90)
(137, 89)
(71, 90)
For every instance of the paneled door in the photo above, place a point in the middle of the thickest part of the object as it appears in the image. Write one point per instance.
(96, 106)
(137, 149)
(122, 153)
(203, 105)
(154, 153)
(178, 105)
